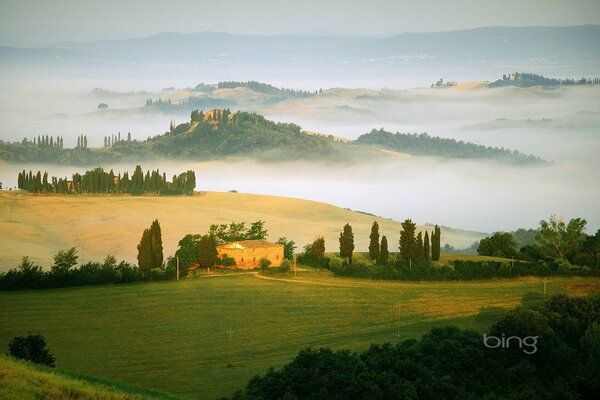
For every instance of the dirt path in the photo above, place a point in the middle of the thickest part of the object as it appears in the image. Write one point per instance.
(303, 282)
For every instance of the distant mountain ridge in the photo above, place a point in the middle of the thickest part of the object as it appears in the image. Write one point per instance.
(479, 52)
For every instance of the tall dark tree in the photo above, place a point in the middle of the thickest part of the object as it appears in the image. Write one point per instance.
(207, 251)
(347, 243)
(384, 254)
(318, 248)
(435, 243)
(144, 248)
(408, 241)
(426, 251)
(374, 242)
(156, 243)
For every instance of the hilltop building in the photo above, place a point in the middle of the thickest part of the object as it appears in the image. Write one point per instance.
(247, 253)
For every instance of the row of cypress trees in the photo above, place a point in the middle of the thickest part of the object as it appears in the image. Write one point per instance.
(412, 246)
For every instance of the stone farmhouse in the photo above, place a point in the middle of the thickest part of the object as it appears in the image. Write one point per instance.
(247, 253)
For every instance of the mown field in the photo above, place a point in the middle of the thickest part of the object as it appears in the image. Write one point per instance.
(26, 381)
(38, 226)
(205, 337)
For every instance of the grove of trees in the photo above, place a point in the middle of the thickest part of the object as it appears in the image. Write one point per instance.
(100, 181)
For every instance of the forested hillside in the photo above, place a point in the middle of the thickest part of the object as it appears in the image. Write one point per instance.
(219, 133)
(423, 144)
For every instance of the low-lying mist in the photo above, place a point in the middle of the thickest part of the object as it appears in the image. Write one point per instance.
(475, 195)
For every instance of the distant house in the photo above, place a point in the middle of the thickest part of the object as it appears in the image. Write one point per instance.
(247, 253)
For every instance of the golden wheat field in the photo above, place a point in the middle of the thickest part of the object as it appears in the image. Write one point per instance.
(38, 226)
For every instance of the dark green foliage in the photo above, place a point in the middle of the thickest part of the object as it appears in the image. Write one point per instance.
(31, 348)
(265, 88)
(100, 181)
(436, 238)
(526, 79)
(450, 363)
(207, 251)
(308, 257)
(384, 253)
(374, 242)
(264, 263)
(144, 248)
(31, 276)
(423, 144)
(347, 243)
(408, 245)
(426, 248)
(288, 249)
(500, 244)
(559, 240)
(150, 252)
(318, 248)
(237, 231)
(187, 251)
(156, 244)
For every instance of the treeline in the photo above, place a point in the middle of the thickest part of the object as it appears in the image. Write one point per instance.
(64, 272)
(544, 351)
(414, 249)
(44, 141)
(268, 89)
(562, 250)
(525, 79)
(100, 181)
(555, 239)
(423, 144)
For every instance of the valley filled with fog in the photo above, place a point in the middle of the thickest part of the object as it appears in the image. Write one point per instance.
(558, 125)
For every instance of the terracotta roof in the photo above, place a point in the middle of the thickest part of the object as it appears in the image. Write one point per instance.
(250, 244)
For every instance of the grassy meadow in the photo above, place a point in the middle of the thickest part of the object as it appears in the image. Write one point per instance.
(38, 226)
(24, 381)
(205, 337)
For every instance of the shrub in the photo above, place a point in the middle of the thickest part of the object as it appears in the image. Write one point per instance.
(286, 265)
(31, 348)
(264, 263)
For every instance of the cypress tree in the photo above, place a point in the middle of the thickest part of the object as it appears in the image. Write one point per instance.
(408, 241)
(384, 254)
(435, 244)
(144, 248)
(426, 246)
(374, 242)
(347, 243)
(156, 244)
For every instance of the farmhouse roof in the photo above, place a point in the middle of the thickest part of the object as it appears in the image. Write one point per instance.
(245, 244)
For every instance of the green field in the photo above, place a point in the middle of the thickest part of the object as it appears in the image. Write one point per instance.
(22, 380)
(174, 336)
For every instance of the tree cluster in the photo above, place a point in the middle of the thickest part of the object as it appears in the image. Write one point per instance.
(423, 144)
(64, 272)
(527, 79)
(100, 181)
(451, 363)
(237, 231)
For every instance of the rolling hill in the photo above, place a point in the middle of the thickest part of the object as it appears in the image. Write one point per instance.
(99, 225)
(24, 381)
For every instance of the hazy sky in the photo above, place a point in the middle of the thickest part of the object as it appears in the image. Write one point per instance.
(139, 18)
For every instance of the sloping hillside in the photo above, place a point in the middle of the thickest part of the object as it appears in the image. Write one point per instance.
(99, 225)
(21, 380)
